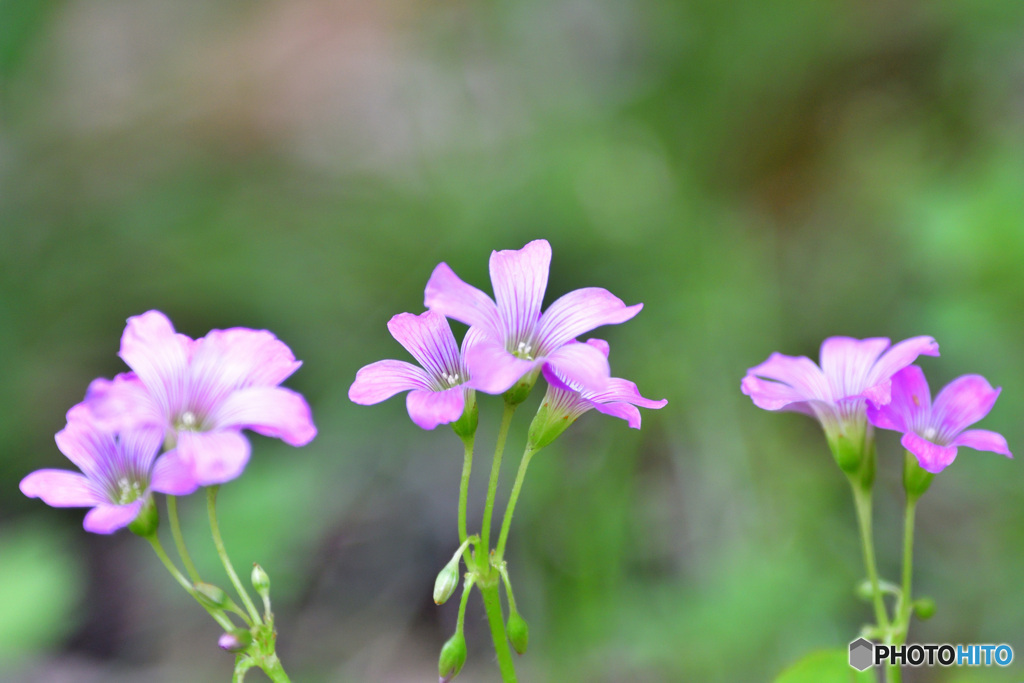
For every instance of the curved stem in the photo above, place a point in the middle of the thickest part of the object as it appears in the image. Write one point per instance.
(862, 501)
(211, 506)
(506, 522)
(271, 666)
(158, 548)
(492, 487)
(467, 465)
(179, 539)
(492, 605)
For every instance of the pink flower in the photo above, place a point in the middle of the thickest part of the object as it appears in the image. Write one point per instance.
(566, 400)
(516, 338)
(852, 373)
(437, 390)
(119, 470)
(202, 393)
(933, 431)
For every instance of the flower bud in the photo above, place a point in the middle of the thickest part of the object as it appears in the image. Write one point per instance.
(518, 632)
(453, 656)
(447, 581)
(260, 580)
(235, 641)
(146, 522)
(211, 596)
(924, 608)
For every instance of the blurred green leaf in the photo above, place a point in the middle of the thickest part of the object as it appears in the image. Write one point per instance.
(825, 666)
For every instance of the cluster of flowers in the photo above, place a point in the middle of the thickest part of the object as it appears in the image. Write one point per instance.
(508, 344)
(191, 399)
(863, 384)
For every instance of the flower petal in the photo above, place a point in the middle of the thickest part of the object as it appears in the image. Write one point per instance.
(428, 337)
(159, 356)
(579, 312)
(272, 411)
(892, 361)
(795, 380)
(215, 457)
(121, 403)
(625, 411)
(961, 403)
(930, 456)
(225, 360)
(173, 475)
(582, 364)
(984, 440)
(431, 408)
(519, 278)
(89, 447)
(380, 381)
(447, 294)
(847, 363)
(108, 518)
(492, 369)
(61, 489)
(910, 406)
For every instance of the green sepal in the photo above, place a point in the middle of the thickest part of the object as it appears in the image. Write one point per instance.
(147, 521)
(856, 457)
(547, 426)
(916, 479)
(465, 426)
(521, 389)
(453, 656)
(924, 608)
(518, 632)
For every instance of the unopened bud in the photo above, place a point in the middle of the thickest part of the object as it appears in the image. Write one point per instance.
(924, 608)
(447, 581)
(210, 595)
(453, 656)
(260, 580)
(518, 632)
(235, 641)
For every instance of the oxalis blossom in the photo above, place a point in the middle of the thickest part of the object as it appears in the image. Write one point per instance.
(438, 391)
(853, 372)
(202, 393)
(566, 400)
(516, 339)
(119, 470)
(934, 431)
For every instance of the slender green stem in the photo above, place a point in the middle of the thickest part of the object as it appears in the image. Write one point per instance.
(179, 539)
(158, 548)
(467, 465)
(271, 666)
(211, 506)
(492, 605)
(907, 600)
(492, 487)
(506, 522)
(862, 501)
(467, 588)
(503, 569)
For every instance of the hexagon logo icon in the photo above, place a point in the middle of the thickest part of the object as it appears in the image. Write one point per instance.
(861, 654)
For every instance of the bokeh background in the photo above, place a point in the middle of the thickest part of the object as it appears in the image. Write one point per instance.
(761, 175)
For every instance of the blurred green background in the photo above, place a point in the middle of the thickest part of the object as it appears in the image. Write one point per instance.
(761, 175)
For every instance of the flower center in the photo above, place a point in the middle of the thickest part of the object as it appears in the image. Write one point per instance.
(524, 350)
(187, 421)
(128, 491)
(930, 434)
(453, 379)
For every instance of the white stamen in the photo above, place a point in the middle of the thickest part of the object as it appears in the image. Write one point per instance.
(930, 433)
(188, 419)
(524, 350)
(452, 379)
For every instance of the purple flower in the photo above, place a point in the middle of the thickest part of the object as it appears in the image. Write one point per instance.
(203, 392)
(118, 473)
(437, 390)
(566, 400)
(933, 431)
(516, 339)
(852, 372)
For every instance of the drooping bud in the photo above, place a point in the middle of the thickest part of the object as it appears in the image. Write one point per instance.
(916, 479)
(211, 596)
(924, 608)
(260, 581)
(235, 641)
(518, 632)
(453, 656)
(146, 522)
(447, 581)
